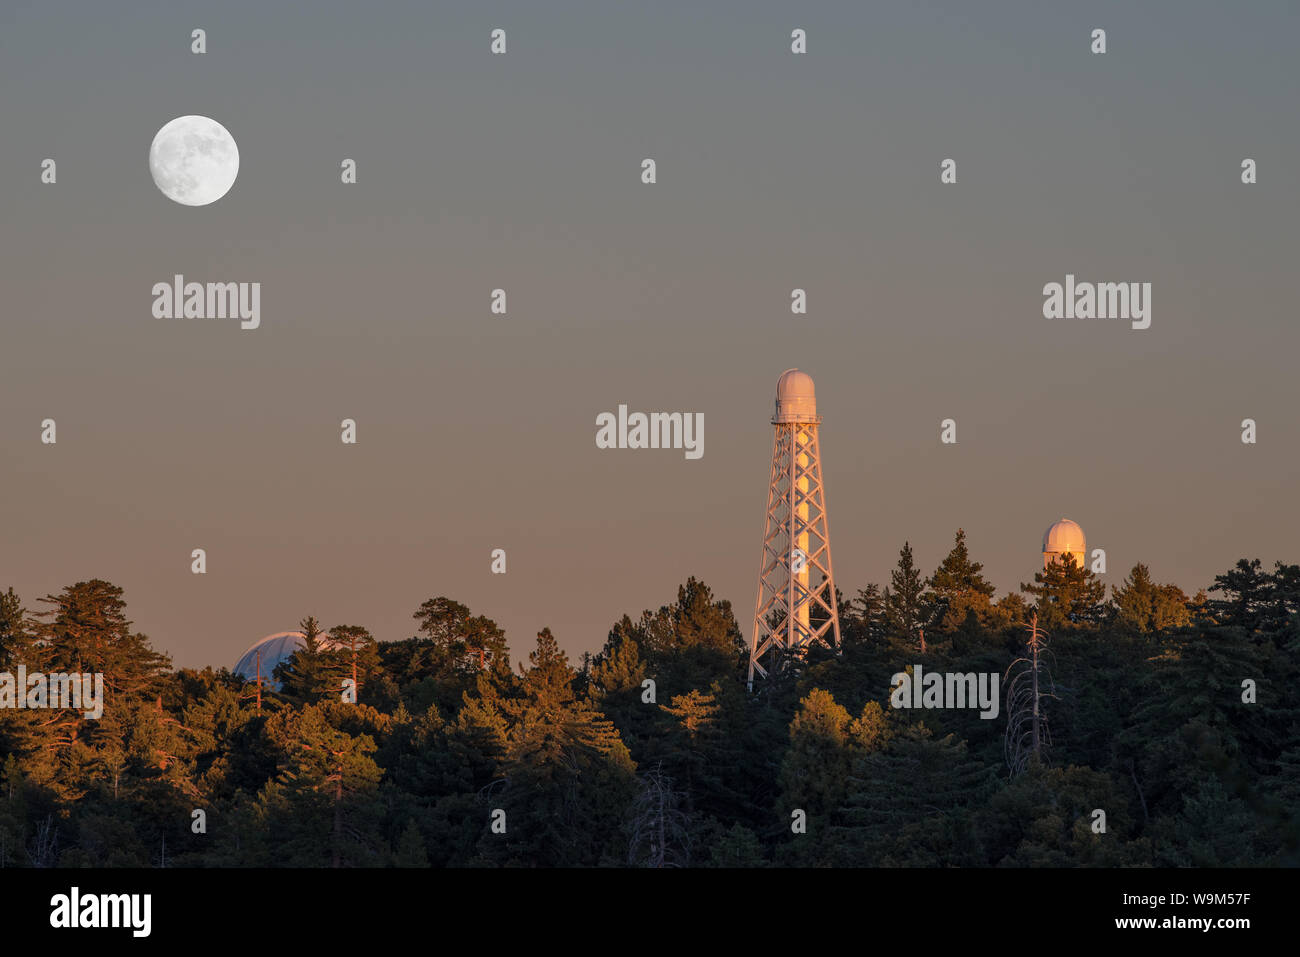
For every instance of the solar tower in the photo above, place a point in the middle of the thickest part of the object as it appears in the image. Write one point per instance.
(796, 589)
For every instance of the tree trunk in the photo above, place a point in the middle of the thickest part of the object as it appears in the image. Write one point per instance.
(338, 817)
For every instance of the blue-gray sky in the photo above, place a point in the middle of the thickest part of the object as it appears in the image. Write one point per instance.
(522, 171)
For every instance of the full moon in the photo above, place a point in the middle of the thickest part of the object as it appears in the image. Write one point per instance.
(194, 160)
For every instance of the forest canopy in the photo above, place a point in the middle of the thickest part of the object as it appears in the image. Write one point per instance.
(1174, 716)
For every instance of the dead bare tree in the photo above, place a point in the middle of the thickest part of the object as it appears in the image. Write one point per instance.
(659, 835)
(43, 849)
(1028, 736)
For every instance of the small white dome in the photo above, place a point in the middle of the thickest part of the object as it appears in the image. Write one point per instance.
(796, 399)
(1062, 538)
(794, 384)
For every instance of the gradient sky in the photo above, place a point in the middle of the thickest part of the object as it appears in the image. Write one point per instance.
(522, 171)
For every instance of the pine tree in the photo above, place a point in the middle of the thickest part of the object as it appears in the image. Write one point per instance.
(690, 642)
(443, 622)
(485, 645)
(1258, 601)
(1068, 594)
(863, 617)
(86, 631)
(958, 588)
(1284, 608)
(1214, 828)
(17, 643)
(905, 606)
(1191, 721)
(308, 675)
(354, 656)
(696, 714)
(1247, 593)
(13, 811)
(454, 647)
(910, 803)
(410, 848)
(815, 768)
(566, 778)
(1044, 818)
(21, 731)
(1143, 607)
(701, 622)
(322, 801)
(615, 687)
(737, 847)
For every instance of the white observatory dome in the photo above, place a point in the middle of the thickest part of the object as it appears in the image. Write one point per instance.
(1062, 538)
(796, 400)
(275, 649)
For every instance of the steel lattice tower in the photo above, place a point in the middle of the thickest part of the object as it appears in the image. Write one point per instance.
(789, 614)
